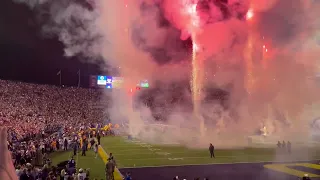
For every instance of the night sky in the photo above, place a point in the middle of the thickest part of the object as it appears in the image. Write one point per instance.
(27, 56)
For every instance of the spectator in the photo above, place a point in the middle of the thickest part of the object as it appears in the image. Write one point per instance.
(81, 175)
(128, 176)
(41, 119)
(96, 147)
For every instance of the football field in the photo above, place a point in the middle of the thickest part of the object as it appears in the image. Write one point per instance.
(148, 161)
(139, 154)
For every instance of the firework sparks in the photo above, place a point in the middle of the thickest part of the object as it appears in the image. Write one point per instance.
(249, 14)
(190, 9)
(249, 63)
(248, 55)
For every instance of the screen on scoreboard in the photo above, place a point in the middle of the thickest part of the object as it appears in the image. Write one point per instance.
(144, 84)
(104, 80)
(117, 82)
(111, 82)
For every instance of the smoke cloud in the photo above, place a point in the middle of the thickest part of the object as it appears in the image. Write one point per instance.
(151, 39)
(72, 22)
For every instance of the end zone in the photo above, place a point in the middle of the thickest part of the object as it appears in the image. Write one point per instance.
(251, 171)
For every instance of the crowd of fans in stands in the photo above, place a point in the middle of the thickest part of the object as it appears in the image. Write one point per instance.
(28, 107)
(42, 119)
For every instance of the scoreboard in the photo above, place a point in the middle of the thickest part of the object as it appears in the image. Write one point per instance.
(112, 82)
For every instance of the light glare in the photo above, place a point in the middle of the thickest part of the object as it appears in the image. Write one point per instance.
(249, 14)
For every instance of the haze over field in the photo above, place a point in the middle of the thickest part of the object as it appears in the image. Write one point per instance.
(261, 65)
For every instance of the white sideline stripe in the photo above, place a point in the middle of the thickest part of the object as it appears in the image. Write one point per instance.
(141, 146)
(142, 143)
(204, 164)
(160, 152)
(188, 157)
(137, 145)
(167, 150)
(172, 154)
(154, 147)
(126, 146)
(130, 149)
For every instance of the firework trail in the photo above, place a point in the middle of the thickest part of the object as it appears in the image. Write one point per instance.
(190, 9)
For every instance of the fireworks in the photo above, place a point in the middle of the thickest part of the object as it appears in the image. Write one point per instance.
(249, 14)
(195, 81)
(264, 131)
(248, 55)
(190, 10)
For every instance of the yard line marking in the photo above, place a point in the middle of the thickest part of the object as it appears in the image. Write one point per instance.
(137, 148)
(153, 149)
(205, 164)
(149, 148)
(197, 157)
(129, 146)
(145, 153)
(165, 155)
(187, 157)
(169, 150)
(175, 152)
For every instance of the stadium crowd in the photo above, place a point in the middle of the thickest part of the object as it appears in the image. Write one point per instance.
(41, 119)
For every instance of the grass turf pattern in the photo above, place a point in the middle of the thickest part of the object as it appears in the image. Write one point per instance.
(138, 154)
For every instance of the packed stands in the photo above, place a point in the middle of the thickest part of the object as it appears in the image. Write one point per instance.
(28, 108)
(42, 119)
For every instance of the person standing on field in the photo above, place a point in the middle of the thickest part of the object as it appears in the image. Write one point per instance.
(110, 169)
(211, 150)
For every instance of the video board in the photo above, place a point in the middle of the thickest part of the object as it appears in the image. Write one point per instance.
(104, 81)
(117, 82)
(144, 84)
(112, 82)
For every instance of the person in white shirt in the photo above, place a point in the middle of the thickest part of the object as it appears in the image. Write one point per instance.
(42, 147)
(81, 175)
(95, 148)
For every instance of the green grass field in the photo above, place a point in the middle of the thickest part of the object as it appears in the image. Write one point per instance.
(96, 165)
(138, 154)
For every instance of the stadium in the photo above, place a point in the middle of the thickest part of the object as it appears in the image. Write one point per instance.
(142, 159)
(159, 89)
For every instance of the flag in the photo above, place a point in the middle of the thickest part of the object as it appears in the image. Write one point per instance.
(59, 74)
(78, 78)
